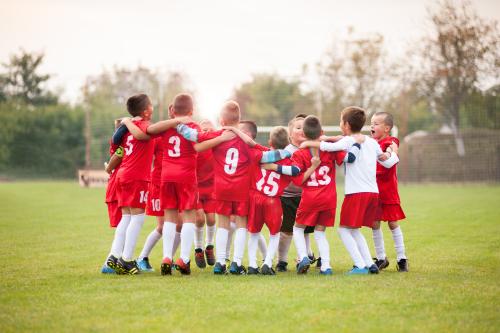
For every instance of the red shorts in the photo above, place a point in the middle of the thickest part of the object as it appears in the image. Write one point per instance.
(264, 209)
(390, 212)
(323, 217)
(132, 194)
(115, 213)
(179, 196)
(153, 207)
(227, 208)
(208, 205)
(359, 210)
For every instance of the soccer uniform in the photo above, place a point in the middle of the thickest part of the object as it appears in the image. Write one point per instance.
(290, 200)
(114, 211)
(319, 195)
(205, 177)
(153, 206)
(387, 181)
(134, 174)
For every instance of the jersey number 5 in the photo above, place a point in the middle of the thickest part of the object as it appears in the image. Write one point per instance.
(130, 146)
(231, 161)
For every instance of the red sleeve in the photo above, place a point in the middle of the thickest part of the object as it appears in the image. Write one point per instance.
(256, 154)
(339, 157)
(298, 161)
(204, 136)
(261, 148)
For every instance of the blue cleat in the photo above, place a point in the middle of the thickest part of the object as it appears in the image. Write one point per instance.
(327, 271)
(144, 265)
(219, 269)
(107, 270)
(237, 270)
(303, 265)
(358, 271)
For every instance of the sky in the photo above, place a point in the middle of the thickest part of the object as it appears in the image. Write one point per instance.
(218, 44)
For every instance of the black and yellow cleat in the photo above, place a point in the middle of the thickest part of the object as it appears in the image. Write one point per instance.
(128, 267)
(112, 262)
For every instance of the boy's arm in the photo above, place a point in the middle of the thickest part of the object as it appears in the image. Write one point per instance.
(164, 125)
(193, 135)
(272, 156)
(135, 130)
(353, 153)
(248, 140)
(289, 170)
(205, 145)
(388, 159)
(118, 134)
(114, 160)
(315, 162)
(342, 144)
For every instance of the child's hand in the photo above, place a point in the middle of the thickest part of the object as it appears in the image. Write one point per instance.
(136, 118)
(359, 138)
(227, 135)
(306, 144)
(315, 161)
(268, 166)
(394, 147)
(330, 138)
(184, 120)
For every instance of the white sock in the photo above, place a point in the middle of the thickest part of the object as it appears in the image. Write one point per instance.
(284, 246)
(324, 249)
(399, 244)
(151, 241)
(187, 237)
(351, 246)
(230, 234)
(177, 242)
(240, 236)
(210, 234)
(300, 242)
(133, 231)
(262, 245)
(362, 246)
(168, 239)
(220, 245)
(198, 237)
(253, 240)
(378, 241)
(274, 241)
(308, 244)
(120, 233)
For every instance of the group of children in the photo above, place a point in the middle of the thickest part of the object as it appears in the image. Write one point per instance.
(190, 175)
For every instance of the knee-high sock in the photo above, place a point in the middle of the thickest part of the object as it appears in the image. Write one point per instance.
(399, 244)
(133, 231)
(177, 242)
(198, 237)
(187, 237)
(362, 246)
(210, 235)
(262, 246)
(284, 246)
(378, 241)
(351, 246)
(240, 236)
(220, 245)
(151, 241)
(300, 242)
(324, 249)
(274, 241)
(120, 234)
(253, 240)
(230, 234)
(168, 235)
(308, 244)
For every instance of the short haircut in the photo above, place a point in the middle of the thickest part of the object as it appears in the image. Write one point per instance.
(300, 116)
(231, 112)
(279, 137)
(136, 104)
(355, 117)
(183, 104)
(312, 127)
(388, 118)
(250, 126)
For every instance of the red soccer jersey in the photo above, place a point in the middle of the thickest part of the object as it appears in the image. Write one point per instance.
(157, 161)
(205, 172)
(319, 191)
(111, 188)
(270, 183)
(387, 179)
(179, 157)
(138, 156)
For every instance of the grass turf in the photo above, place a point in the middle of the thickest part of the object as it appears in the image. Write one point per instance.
(54, 237)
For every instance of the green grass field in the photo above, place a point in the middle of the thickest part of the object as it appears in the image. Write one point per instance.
(54, 236)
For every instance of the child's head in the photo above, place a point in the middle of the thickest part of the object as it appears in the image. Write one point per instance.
(278, 137)
(230, 114)
(206, 125)
(312, 128)
(249, 128)
(352, 120)
(182, 105)
(140, 106)
(295, 129)
(381, 125)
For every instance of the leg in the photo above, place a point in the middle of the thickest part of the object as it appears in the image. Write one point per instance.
(252, 250)
(351, 246)
(323, 247)
(362, 247)
(240, 239)
(133, 231)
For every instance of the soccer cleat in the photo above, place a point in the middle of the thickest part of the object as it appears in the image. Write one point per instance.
(327, 271)
(237, 270)
(381, 263)
(166, 266)
(402, 265)
(128, 267)
(266, 270)
(312, 259)
(253, 271)
(358, 271)
(144, 265)
(318, 263)
(199, 258)
(373, 269)
(219, 269)
(107, 270)
(112, 262)
(281, 266)
(183, 267)
(303, 266)
(209, 253)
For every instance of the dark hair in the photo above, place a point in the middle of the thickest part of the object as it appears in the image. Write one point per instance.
(250, 126)
(355, 117)
(312, 127)
(388, 118)
(137, 104)
(183, 104)
(279, 137)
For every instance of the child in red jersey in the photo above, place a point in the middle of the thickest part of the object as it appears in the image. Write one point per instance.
(389, 202)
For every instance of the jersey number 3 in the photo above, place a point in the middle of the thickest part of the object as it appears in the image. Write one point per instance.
(176, 151)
